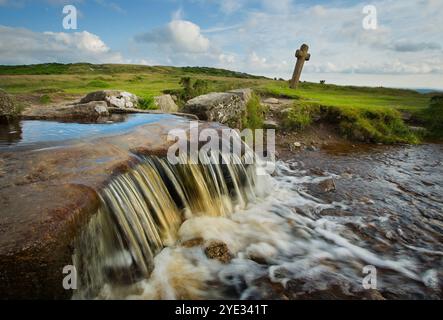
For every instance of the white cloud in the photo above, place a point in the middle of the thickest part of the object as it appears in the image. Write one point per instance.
(178, 36)
(408, 40)
(23, 46)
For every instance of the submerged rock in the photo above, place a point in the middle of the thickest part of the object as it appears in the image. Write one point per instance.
(328, 185)
(113, 98)
(218, 251)
(166, 103)
(224, 107)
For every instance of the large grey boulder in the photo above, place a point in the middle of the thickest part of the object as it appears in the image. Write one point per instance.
(91, 110)
(223, 107)
(7, 108)
(113, 98)
(245, 93)
(166, 103)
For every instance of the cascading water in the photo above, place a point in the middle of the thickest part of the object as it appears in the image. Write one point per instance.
(143, 209)
(285, 242)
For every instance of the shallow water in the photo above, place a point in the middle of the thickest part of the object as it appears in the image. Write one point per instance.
(295, 241)
(27, 133)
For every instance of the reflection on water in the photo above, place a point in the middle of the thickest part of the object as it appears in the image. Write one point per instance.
(10, 132)
(30, 132)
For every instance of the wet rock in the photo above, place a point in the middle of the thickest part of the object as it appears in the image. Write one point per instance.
(193, 243)
(218, 251)
(328, 185)
(336, 213)
(113, 98)
(317, 172)
(166, 103)
(390, 235)
(7, 108)
(366, 200)
(312, 148)
(346, 175)
(373, 295)
(223, 107)
(427, 183)
(270, 124)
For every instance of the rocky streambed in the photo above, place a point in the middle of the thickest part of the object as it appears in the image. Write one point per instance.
(308, 231)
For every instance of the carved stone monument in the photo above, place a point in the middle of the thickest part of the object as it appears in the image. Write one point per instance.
(302, 55)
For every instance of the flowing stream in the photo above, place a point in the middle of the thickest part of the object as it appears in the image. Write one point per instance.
(286, 238)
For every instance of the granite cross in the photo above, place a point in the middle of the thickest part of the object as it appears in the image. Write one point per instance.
(302, 55)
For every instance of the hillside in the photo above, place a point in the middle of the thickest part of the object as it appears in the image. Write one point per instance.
(376, 111)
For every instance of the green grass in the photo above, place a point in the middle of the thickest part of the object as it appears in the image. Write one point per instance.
(300, 116)
(362, 113)
(350, 96)
(254, 114)
(100, 84)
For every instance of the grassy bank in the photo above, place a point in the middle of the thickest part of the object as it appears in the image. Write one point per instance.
(365, 114)
(360, 113)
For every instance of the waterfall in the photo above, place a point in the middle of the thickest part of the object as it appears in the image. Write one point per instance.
(143, 209)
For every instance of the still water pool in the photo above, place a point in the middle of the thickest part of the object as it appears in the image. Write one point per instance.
(27, 133)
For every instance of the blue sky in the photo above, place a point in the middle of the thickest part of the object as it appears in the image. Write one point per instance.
(255, 36)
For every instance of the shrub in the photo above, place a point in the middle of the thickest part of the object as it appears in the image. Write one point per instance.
(147, 103)
(433, 117)
(200, 87)
(193, 89)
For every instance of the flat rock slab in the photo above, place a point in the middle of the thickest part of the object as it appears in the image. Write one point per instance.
(47, 195)
(83, 111)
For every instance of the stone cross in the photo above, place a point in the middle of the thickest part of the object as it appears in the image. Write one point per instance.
(302, 55)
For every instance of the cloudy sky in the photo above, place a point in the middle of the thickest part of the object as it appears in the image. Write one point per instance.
(255, 36)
